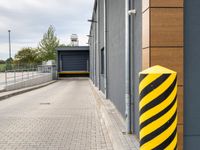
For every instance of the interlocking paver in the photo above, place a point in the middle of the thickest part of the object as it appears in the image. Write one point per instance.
(61, 116)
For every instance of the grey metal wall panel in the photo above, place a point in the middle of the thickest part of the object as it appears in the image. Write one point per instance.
(101, 24)
(101, 39)
(75, 61)
(95, 49)
(102, 83)
(192, 74)
(116, 53)
(191, 143)
(91, 41)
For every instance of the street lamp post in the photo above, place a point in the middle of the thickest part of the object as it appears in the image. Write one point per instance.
(9, 43)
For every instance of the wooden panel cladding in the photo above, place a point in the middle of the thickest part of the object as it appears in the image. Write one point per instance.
(161, 3)
(162, 43)
(171, 58)
(166, 3)
(166, 27)
(180, 105)
(180, 137)
(145, 59)
(145, 30)
(145, 5)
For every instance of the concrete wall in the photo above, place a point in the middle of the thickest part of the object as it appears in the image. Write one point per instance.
(192, 74)
(31, 82)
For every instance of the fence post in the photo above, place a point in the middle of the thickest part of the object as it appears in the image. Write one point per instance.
(14, 76)
(158, 109)
(6, 80)
(32, 72)
(22, 74)
(28, 72)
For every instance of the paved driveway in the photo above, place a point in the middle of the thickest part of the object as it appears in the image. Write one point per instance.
(61, 116)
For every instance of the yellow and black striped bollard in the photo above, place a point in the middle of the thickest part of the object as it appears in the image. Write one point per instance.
(158, 109)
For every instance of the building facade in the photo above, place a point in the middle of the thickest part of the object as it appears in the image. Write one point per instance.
(156, 32)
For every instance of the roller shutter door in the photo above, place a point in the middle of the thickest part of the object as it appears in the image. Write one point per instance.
(75, 61)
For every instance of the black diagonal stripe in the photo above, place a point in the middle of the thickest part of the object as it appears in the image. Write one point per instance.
(153, 85)
(160, 98)
(142, 76)
(175, 147)
(145, 123)
(158, 131)
(167, 142)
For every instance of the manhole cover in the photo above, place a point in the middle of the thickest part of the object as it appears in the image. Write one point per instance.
(45, 103)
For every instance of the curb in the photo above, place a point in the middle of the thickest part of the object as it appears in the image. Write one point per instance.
(4, 95)
(114, 123)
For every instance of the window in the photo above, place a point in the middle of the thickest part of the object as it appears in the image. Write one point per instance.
(102, 61)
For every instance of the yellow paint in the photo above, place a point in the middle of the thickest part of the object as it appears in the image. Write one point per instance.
(155, 110)
(147, 80)
(154, 73)
(71, 73)
(156, 92)
(160, 138)
(158, 123)
(172, 144)
(158, 70)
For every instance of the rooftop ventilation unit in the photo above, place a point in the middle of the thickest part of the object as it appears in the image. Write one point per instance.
(74, 40)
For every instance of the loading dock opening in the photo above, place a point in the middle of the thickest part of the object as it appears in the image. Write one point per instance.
(73, 61)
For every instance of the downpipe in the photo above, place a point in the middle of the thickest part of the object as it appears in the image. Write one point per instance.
(127, 70)
(105, 49)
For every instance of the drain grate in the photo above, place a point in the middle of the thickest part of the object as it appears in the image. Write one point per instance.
(45, 103)
(124, 132)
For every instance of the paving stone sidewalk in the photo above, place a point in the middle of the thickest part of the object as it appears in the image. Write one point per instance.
(61, 116)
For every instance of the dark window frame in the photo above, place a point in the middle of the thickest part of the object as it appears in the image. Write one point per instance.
(102, 61)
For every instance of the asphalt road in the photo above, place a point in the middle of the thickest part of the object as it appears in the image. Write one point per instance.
(61, 116)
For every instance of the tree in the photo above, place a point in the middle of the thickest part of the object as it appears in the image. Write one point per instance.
(2, 61)
(9, 60)
(26, 55)
(48, 45)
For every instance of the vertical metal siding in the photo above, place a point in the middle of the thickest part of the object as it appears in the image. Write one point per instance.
(101, 39)
(192, 74)
(116, 53)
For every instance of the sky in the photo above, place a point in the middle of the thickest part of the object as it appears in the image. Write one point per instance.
(28, 20)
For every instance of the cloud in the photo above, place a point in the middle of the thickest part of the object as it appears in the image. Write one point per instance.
(29, 19)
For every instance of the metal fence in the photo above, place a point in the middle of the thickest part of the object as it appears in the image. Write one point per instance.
(19, 75)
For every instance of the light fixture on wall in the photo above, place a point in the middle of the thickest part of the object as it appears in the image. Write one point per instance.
(91, 20)
(132, 12)
(88, 35)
